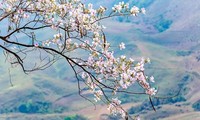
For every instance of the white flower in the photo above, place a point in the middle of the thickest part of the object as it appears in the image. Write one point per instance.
(123, 57)
(90, 61)
(147, 60)
(90, 6)
(47, 43)
(84, 75)
(76, 45)
(126, 5)
(134, 10)
(92, 12)
(122, 46)
(124, 76)
(122, 113)
(116, 101)
(117, 8)
(121, 82)
(143, 11)
(131, 60)
(20, 11)
(68, 41)
(95, 99)
(103, 27)
(8, 9)
(98, 95)
(99, 92)
(26, 16)
(137, 118)
(111, 108)
(102, 9)
(151, 91)
(121, 3)
(152, 79)
(99, 79)
(142, 60)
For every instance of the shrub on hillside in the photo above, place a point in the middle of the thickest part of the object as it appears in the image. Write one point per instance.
(75, 117)
(196, 105)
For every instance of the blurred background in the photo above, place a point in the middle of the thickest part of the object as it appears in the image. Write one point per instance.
(168, 34)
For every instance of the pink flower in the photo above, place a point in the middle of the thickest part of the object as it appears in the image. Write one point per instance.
(151, 91)
(36, 44)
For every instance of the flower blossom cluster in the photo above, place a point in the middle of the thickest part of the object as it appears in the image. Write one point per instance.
(114, 108)
(78, 27)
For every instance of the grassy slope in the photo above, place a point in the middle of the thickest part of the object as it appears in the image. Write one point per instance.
(155, 52)
(166, 66)
(166, 77)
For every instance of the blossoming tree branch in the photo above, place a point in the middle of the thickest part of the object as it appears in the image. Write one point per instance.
(73, 27)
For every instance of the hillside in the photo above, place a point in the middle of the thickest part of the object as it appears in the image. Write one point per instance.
(168, 34)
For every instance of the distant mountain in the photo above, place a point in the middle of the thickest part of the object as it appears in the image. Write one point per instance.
(161, 15)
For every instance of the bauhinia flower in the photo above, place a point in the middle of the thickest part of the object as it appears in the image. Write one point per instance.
(143, 11)
(152, 79)
(122, 46)
(134, 10)
(151, 91)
